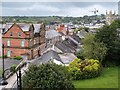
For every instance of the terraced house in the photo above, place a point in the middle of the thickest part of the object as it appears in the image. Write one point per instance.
(26, 40)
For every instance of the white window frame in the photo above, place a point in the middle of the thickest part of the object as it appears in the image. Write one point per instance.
(8, 42)
(8, 53)
(23, 43)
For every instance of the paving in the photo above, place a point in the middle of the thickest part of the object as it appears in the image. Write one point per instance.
(9, 62)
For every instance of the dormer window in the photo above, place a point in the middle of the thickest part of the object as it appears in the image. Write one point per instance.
(11, 34)
(19, 34)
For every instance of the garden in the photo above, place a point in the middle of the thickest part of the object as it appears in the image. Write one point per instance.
(96, 66)
(107, 79)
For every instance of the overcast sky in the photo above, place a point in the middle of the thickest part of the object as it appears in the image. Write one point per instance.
(56, 8)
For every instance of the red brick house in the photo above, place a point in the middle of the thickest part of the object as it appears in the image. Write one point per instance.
(24, 40)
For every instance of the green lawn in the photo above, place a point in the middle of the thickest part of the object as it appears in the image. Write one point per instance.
(108, 79)
(0, 72)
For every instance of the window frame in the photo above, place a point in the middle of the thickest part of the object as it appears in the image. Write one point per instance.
(22, 43)
(11, 34)
(8, 42)
(19, 34)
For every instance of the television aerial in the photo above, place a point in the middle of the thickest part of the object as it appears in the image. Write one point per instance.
(94, 11)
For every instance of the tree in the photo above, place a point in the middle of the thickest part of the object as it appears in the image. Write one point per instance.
(109, 35)
(47, 76)
(86, 29)
(93, 49)
(84, 69)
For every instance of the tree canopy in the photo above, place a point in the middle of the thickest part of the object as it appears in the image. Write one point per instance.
(110, 36)
(93, 49)
(47, 76)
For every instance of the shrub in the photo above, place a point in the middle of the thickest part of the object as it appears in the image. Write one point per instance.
(47, 76)
(18, 58)
(84, 69)
(5, 56)
(12, 69)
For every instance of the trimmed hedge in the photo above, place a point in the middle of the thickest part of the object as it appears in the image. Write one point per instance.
(84, 69)
(18, 58)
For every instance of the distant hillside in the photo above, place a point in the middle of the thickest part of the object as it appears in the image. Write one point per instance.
(52, 19)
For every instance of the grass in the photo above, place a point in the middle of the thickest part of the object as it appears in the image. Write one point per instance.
(0, 71)
(108, 79)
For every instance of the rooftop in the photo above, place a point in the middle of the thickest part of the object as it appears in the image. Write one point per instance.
(51, 34)
(25, 27)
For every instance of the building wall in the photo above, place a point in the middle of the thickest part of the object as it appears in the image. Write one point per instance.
(15, 29)
(15, 42)
(15, 48)
(15, 51)
(32, 43)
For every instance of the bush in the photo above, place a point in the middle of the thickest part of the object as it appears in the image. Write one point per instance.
(47, 76)
(5, 56)
(12, 69)
(80, 56)
(84, 69)
(18, 58)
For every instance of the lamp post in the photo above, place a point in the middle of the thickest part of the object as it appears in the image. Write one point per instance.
(3, 60)
(19, 82)
(3, 81)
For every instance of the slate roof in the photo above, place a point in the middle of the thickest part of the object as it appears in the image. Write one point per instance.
(69, 43)
(75, 37)
(67, 58)
(62, 47)
(82, 34)
(73, 41)
(51, 34)
(37, 27)
(66, 46)
(25, 27)
(47, 56)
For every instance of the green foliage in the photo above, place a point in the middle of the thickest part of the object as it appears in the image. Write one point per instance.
(5, 56)
(86, 29)
(108, 79)
(79, 55)
(13, 67)
(93, 49)
(47, 76)
(0, 71)
(84, 69)
(109, 35)
(18, 58)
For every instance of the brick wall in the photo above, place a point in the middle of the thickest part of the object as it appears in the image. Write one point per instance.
(15, 41)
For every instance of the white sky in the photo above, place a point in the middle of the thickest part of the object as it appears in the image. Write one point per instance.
(56, 7)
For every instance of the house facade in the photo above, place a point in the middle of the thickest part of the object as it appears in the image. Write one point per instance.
(24, 40)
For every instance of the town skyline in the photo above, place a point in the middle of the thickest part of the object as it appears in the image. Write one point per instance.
(74, 9)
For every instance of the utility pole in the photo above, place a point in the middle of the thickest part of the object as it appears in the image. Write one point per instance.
(3, 60)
